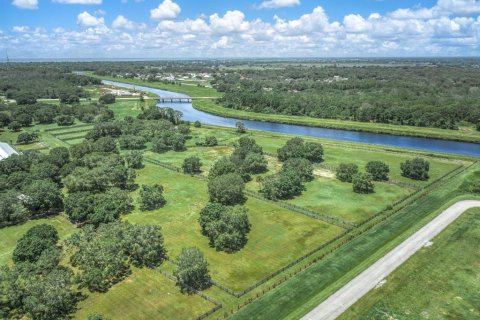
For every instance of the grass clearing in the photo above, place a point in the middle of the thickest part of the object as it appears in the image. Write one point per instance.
(10, 235)
(439, 282)
(146, 294)
(278, 236)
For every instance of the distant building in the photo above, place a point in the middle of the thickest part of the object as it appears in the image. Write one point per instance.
(6, 151)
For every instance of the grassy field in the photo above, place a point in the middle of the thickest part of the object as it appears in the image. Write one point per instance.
(303, 292)
(278, 236)
(10, 235)
(441, 281)
(146, 294)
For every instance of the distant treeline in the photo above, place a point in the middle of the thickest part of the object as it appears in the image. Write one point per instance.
(426, 96)
(28, 82)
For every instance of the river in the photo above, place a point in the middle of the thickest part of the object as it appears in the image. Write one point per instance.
(424, 144)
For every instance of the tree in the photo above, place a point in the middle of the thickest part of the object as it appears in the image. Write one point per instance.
(191, 165)
(159, 145)
(131, 142)
(416, 169)
(210, 141)
(178, 142)
(284, 185)
(227, 232)
(478, 126)
(240, 127)
(110, 205)
(227, 189)
(192, 270)
(221, 167)
(197, 124)
(254, 163)
(209, 214)
(294, 148)
(11, 209)
(14, 126)
(107, 98)
(65, 120)
(134, 159)
(35, 241)
(151, 197)
(59, 156)
(27, 137)
(314, 152)
(379, 170)
(346, 171)
(362, 183)
(79, 206)
(299, 166)
(41, 196)
(145, 247)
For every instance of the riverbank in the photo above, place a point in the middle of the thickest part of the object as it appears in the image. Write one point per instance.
(464, 134)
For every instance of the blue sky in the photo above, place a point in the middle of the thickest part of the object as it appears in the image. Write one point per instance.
(242, 28)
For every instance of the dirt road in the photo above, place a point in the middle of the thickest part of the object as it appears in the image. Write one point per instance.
(341, 300)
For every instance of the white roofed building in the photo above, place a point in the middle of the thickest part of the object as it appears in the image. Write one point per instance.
(6, 151)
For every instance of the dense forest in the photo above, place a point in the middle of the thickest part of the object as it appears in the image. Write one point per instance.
(429, 96)
(28, 82)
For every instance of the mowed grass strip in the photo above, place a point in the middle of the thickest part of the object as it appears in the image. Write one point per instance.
(439, 282)
(278, 236)
(146, 294)
(10, 235)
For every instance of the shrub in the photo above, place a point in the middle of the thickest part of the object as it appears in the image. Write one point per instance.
(192, 270)
(379, 170)
(191, 165)
(65, 120)
(299, 166)
(107, 98)
(416, 169)
(151, 197)
(346, 171)
(362, 183)
(210, 141)
(284, 185)
(227, 189)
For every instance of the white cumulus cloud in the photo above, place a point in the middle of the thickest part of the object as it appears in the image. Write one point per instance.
(25, 4)
(121, 22)
(85, 19)
(273, 4)
(78, 1)
(167, 10)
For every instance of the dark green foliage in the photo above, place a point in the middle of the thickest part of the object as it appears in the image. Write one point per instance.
(151, 197)
(478, 126)
(34, 242)
(379, 170)
(226, 227)
(284, 185)
(107, 98)
(362, 183)
(59, 156)
(131, 142)
(346, 171)
(416, 169)
(104, 255)
(105, 129)
(5, 119)
(41, 196)
(254, 163)
(27, 137)
(299, 166)
(11, 209)
(45, 171)
(221, 167)
(227, 189)
(79, 206)
(210, 141)
(240, 127)
(192, 270)
(134, 159)
(197, 124)
(192, 165)
(297, 148)
(65, 120)
(14, 126)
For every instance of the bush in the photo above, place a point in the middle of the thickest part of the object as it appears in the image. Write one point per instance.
(210, 141)
(151, 197)
(65, 120)
(107, 98)
(34, 243)
(346, 171)
(378, 170)
(197, 124)
(191, 165)
(240, 127)
(416, 169)
(192, 270)
(362, 183)
(227, 189)
(284, 185)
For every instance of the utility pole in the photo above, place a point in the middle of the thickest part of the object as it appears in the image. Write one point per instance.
(8, 59)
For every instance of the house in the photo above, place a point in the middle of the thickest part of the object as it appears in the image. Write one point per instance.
(6, 151)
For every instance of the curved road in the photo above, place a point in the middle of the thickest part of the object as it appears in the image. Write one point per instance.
(341, 300)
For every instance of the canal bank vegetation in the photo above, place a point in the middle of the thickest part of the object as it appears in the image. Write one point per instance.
(286, 235)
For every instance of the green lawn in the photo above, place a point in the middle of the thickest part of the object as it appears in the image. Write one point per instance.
(278, 236)
(332, 197)
(439, 282)
(10, 235)
(146, 294)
